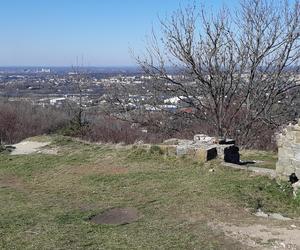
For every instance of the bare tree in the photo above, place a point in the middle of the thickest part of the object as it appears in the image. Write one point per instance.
(235, 69)
(77, 82)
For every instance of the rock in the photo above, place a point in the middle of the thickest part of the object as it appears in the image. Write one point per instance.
(10, 148)
(232, 155)
(205, 153)
(220, 149)
(277, 216)
(296, 188)
(200, 153)
(212, 153)
(282, 245)
(204, 138)
(260, 213)
(293, 178)
(181, 150)
(226, 141)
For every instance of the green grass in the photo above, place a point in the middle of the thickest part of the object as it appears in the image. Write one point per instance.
(46, 200)
(264, 159)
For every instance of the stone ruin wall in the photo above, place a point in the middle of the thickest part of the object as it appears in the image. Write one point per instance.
(202, 148)
(289, 152)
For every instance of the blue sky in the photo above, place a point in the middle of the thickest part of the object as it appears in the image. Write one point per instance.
(55, 32)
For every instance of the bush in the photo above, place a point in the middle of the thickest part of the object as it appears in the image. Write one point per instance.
(107, 129)
(20, 119)
(154, 149)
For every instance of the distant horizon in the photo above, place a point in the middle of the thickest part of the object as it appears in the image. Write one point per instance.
(70, 66)
(62, 33)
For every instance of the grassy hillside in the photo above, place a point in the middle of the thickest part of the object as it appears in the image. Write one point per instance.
(47, 200)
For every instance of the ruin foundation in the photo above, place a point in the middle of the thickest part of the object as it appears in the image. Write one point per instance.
(202, 148)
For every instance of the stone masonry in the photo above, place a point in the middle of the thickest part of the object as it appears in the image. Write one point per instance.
(289, 152)
(202, 148)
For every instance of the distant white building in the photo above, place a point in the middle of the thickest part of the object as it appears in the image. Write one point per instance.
(174, 100)
(57, 101)
(45, 70)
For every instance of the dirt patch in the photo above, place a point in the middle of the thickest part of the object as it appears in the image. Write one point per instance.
(12, 182)
(99, 169)
(29, 147)
(262, 236)
(116, 216)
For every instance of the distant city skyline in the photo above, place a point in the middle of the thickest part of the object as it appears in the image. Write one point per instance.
(88, 32)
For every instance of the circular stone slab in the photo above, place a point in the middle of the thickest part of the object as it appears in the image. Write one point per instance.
(116, 216)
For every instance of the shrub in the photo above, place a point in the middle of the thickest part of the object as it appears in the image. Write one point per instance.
(21, 119)
(106, 129)
(154, 149)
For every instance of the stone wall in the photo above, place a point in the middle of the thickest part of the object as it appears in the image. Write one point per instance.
(289, 152)
(202, 148)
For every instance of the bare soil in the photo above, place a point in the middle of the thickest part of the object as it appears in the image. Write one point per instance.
(265, 235)
(116, 216)
(29, 147)
(12, 182)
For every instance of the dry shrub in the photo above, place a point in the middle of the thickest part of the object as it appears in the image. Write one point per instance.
(108, 129)
(20, 119)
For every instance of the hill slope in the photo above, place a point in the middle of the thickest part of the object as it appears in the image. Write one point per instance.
(47, 201)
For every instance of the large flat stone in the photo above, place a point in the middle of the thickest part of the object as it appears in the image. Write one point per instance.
(200, 153)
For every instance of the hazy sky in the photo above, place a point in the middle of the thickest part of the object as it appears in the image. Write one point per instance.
(55, 32)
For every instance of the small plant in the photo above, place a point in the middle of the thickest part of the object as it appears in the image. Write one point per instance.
(154, 149)
(286, 188)
(297, 198)
(138, 154)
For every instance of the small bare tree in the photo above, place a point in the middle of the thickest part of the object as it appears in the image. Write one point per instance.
(235, 69)
(77, 81)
